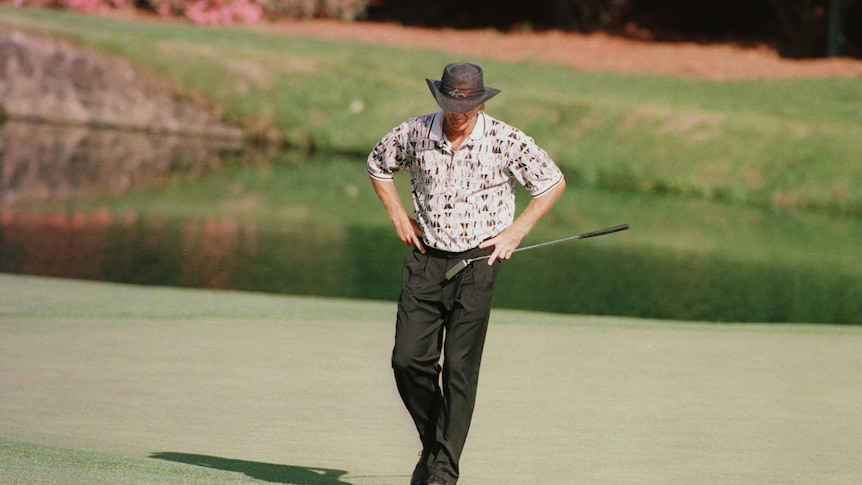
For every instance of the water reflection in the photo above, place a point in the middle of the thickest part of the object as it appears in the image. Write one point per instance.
(348, 261)
(221, 254)
(55, 162)
(314, 227)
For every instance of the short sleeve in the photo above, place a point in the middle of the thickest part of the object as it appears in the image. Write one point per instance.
(532, 167)
(389, 155)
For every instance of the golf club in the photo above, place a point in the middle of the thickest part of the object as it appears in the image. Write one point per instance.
(454, 270)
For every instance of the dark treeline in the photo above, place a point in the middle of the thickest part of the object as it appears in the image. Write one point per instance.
(796, 28)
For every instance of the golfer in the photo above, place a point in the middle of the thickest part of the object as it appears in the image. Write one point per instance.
(463, 165)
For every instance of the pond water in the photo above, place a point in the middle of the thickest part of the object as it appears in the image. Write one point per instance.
(196, 217)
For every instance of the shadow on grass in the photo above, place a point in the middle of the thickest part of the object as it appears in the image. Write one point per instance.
(269, 472)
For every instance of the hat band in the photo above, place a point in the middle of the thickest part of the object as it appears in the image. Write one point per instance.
(458, 93)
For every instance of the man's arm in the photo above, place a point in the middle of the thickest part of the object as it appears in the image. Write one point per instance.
(507, 241)
(405, 226)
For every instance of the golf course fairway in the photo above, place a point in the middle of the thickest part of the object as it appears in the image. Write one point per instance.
(114, 384)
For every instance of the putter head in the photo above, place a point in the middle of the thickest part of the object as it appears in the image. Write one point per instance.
(454, 270)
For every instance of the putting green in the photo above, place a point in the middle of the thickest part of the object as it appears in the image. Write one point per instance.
(103, 383)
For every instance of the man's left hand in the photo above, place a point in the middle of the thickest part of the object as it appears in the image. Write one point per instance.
(504, 244)
(507, 241)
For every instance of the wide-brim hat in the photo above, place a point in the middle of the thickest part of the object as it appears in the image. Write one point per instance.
(461, 88)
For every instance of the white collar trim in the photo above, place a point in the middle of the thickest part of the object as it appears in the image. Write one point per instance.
(437, 127)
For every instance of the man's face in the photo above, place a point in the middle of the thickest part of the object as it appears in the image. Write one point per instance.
(461, 121)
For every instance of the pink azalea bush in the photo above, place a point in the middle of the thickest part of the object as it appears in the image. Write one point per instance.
(214, 12)
(222, 12)
(89, 6)
(211, 12)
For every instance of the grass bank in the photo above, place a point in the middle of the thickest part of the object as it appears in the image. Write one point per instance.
(783, 144)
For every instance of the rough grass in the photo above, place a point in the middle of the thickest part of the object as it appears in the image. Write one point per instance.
(105, 383)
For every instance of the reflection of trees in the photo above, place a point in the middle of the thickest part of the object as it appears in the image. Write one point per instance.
(45, 244)
(210, 252)
(355, 262)
(120, 247)
(44, 162)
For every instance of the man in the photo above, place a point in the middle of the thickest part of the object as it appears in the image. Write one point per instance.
(463, 165)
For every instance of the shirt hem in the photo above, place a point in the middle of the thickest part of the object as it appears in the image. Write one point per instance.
(550, 188)
(380, 177)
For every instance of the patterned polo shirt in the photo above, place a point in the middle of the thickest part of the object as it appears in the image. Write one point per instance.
(461, 198)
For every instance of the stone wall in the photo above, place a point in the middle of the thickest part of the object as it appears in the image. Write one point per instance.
(47, 80)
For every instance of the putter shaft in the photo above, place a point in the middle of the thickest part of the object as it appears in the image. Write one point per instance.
(461, 265)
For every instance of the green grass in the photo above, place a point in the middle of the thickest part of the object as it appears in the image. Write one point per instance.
(27, 463)
(108, 384)
(783, 144)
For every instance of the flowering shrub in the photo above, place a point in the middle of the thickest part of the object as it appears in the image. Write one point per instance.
(87, 6)
(214, 12)
(209, 12)
(229, 11)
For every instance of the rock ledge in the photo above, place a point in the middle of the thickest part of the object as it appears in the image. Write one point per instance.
(48, 80)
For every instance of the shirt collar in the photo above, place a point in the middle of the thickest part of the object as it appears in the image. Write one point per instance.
(436, 133)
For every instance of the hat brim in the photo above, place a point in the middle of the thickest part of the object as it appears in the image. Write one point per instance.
(459, 105)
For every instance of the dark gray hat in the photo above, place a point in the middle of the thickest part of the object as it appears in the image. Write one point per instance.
(461, 88)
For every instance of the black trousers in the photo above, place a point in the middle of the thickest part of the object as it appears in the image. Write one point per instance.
(434, 316)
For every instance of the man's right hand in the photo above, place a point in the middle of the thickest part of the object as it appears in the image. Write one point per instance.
(411, 234)
(407, 228)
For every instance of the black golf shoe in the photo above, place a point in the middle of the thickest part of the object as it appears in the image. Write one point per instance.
(420, 473)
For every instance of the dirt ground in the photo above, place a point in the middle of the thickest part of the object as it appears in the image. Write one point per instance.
(596, 52)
